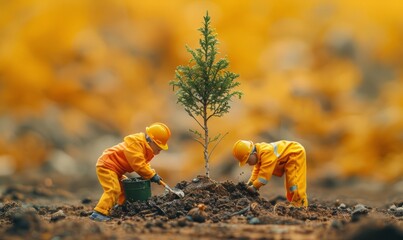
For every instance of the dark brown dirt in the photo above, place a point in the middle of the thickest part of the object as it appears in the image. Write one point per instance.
(42, 211)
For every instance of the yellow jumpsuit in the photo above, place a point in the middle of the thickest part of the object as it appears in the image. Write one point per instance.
(276, 158)
(131, 155)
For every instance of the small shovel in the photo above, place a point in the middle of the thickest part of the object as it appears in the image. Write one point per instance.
(176, 191)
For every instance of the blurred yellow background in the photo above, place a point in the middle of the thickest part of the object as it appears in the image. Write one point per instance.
(78, 75)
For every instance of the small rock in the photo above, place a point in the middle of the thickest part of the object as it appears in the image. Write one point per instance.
(336, 224)
(86, 201)
(399, 212)
(59, 215)
(359, 211)
(359, 208)
(254, 221)
(195, 180)
(392, 208)
(342, 206)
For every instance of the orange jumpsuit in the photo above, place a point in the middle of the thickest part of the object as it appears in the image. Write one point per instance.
(132, 155)
(276, 158)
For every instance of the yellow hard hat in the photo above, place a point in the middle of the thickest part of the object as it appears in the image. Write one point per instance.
(241, 151)
(159, 133)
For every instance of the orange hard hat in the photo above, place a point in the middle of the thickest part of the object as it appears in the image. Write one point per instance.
(241, 151)
(159, 133)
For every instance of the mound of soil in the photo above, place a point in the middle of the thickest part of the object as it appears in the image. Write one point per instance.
(222, 201)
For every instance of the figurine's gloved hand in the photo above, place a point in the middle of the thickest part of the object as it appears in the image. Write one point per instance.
(123, 177)
(252, 189)
(156, 179)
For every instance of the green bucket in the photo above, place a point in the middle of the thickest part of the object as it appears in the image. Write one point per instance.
(137, 189)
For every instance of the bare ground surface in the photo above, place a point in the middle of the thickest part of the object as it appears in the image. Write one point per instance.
(33, 207)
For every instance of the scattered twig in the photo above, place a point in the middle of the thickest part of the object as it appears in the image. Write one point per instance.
(152, 204)
(242, 211)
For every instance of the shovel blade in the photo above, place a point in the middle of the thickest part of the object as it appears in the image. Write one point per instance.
(178, 192)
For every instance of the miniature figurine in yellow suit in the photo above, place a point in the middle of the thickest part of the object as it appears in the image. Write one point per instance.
(275, 158)
(132, 155)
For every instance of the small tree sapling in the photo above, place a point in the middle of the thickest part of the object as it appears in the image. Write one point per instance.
(205, 88)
